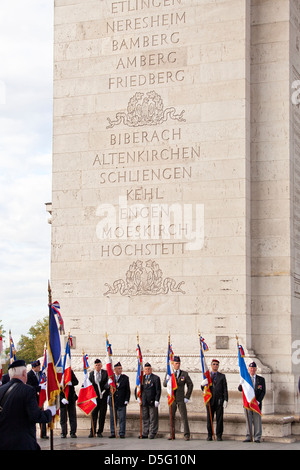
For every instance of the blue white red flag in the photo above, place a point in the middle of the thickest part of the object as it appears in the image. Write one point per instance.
(55, 307)
(54, 364)
(249, 399)
(12, 349)
(139, 374)
(171, 380)
(205, 371)
(109, 367)
(67, 377)
(87, 397)
(43, 381)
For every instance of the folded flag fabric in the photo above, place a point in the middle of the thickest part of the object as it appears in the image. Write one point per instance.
(171, 380)
(109, 367)
(205, 371)
(139, 374)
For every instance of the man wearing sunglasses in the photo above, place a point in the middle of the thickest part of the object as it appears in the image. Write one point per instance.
(218, 400)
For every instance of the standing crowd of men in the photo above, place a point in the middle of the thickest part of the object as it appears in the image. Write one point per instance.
(20, 411)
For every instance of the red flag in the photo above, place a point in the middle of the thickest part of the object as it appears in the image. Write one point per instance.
(87, 397)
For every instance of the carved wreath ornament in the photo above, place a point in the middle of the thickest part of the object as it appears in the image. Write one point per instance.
(145, 110)
(144, 280)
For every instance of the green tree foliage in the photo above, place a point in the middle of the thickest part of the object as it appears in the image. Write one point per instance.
(31, 347)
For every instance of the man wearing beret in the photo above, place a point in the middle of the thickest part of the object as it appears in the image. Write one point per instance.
(182, 397)
(121, 399)
(253, 418)
(151, 391)
(218, 400)
(19, 411)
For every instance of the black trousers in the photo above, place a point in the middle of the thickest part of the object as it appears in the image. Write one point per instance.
(65, 411)
(216, 409)
(99, 414)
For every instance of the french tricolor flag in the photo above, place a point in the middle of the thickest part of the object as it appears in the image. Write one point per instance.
(249, 400)
(67, 375)
(87, 397)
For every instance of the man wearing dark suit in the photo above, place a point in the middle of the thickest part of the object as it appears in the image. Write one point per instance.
(33, 379)
(20, 411)
(253, 418)
(99, 379)
(218, 400)
(151, 391)
(181, 396)
(68, 408)
(121, 399)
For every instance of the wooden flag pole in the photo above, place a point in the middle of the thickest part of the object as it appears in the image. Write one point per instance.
(49, 303)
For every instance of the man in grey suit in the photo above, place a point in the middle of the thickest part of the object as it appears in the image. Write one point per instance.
(151, 391)
(182, 396)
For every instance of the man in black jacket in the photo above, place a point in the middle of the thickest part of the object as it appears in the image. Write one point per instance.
(68, 408)
(99, 379)
(33, 379)
(218, 400)
(151, 391)
(20, 411)
(121, 399)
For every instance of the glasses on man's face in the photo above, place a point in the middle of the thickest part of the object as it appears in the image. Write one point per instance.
(214, 364)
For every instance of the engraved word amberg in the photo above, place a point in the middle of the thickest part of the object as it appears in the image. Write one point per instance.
(144, 280)
(144, 111)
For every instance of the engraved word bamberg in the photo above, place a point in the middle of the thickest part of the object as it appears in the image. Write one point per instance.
(144, 280)
(145, 111)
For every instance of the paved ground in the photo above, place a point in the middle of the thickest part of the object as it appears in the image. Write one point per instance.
(148, 450)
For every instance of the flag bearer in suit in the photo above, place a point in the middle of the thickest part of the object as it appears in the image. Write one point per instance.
(182, 397)
(151, 392)
(218, 400)
(99, 379)
(33, 379)
(68, 409)
(121, 399)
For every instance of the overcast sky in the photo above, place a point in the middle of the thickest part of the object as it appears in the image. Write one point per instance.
(26, 67)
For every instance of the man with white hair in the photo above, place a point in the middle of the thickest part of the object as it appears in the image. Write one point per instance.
(19, 411)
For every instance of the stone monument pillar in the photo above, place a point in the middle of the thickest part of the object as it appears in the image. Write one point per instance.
(175, 183)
